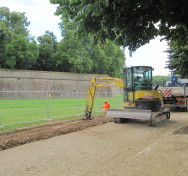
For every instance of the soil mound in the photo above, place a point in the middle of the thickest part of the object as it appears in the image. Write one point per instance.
(181, 131)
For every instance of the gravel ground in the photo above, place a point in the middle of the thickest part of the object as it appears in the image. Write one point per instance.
(110, 149)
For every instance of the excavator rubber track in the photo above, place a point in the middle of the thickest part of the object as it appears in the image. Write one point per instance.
(159, 118)
(152, 118)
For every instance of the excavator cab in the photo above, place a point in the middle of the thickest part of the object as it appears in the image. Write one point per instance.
(138, 78)
(138, 91)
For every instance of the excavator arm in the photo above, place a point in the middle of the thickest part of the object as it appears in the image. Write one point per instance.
(106, 82)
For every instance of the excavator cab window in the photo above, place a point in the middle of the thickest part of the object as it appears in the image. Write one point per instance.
(142, 78)
(128, 89)
(129, 78)
(138, 78)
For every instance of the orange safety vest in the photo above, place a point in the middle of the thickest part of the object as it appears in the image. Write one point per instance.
(106, 105)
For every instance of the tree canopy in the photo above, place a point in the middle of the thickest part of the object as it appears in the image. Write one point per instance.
(81, 55)
(15, 47)
(19, 50)
(131, 23)
(160, 80)
(178, 56)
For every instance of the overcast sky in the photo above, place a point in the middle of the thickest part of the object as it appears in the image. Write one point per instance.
(41, 15)
(151, 54)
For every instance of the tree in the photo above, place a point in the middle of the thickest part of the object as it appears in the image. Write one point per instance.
(71, 56)
(13, 39)
(21, 53)
(47, 48)
(108, 59)
(5, 38)
(178, 57)
(131, 23)
(160, 80)
(81, 55)
(73, 53)
(15, 21)
(5, 33)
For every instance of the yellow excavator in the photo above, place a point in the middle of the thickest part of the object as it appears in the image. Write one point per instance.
(141, 100)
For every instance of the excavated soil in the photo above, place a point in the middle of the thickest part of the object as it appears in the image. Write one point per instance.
(45, 131)
(181, 131)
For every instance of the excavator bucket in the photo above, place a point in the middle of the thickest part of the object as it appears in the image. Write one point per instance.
(152, 118)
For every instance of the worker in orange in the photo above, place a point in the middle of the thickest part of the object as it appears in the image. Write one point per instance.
(106, 105)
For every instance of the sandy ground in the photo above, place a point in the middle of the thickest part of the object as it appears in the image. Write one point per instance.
(108, 149)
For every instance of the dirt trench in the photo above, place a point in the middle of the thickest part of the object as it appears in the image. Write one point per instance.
(48, 130)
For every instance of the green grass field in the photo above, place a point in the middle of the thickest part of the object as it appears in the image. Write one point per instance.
(16, 113)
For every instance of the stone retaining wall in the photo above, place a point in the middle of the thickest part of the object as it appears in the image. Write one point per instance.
(44, 81)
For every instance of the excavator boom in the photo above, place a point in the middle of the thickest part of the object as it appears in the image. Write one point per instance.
(106, 82)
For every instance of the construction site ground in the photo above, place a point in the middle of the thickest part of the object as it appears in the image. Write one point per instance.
(97, 147)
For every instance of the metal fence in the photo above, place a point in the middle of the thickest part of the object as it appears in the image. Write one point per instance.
(16, 110)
